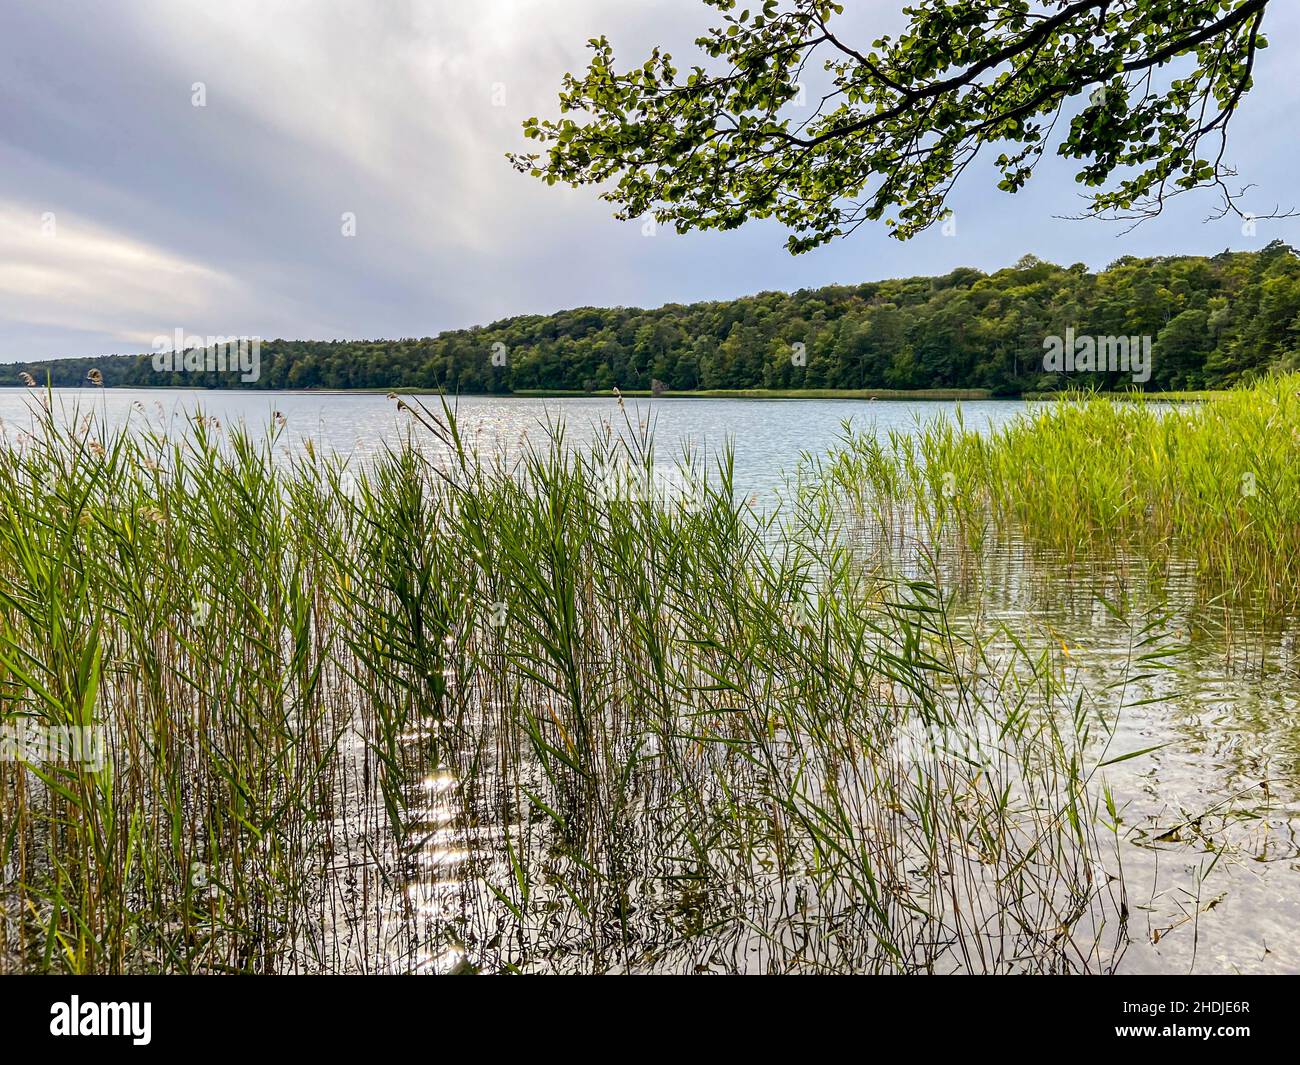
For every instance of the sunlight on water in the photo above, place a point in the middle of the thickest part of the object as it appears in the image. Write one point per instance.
(1207, 815)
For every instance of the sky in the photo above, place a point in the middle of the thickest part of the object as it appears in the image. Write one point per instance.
(128, 212)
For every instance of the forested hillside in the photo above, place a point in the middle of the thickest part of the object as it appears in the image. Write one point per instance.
(1214, 321)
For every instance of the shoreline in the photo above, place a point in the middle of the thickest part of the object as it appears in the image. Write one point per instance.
(938, 395)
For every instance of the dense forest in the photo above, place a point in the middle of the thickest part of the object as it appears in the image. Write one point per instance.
(1214, 322)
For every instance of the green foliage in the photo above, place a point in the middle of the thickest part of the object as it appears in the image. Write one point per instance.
(891, 125)
(459, 707)
(1216, 482)
(1214, 322)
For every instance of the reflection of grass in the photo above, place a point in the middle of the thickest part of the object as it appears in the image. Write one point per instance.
(665, 734)
(1217, 482)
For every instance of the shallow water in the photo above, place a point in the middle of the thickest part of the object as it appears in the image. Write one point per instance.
(1208, 820)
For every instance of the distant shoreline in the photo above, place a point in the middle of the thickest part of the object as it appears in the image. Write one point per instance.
(942, 395)
(766, 393)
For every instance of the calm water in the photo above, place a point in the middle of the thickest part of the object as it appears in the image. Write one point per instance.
(1209, 818)
(768, 435)
(1222, 791)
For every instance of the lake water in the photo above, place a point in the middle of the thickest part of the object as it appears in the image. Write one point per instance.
(1209, 819)
(768, 435)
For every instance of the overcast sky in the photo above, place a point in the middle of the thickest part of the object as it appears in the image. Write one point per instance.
(127, 212)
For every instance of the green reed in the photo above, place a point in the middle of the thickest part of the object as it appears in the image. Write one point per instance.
(574, 710)
(1216, 483)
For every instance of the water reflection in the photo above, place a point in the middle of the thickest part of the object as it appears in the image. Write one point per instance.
(1209, 816)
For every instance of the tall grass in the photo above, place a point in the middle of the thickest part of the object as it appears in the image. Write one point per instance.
(574, 711)
(1215, 484)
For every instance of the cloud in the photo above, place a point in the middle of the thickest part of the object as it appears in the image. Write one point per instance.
(230, 215)
(61, 270)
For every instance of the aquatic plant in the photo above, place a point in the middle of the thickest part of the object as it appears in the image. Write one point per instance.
(1214, 483)
(574, 711)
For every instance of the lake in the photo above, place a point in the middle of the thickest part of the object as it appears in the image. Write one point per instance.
(1208, 819)
(769, 435)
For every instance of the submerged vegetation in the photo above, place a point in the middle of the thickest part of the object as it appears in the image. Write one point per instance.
(458, 713)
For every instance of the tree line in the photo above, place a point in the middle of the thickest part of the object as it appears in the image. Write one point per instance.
(1213, 321)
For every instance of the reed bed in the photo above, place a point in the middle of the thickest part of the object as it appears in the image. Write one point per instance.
(573, 711)
(1215, 485)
